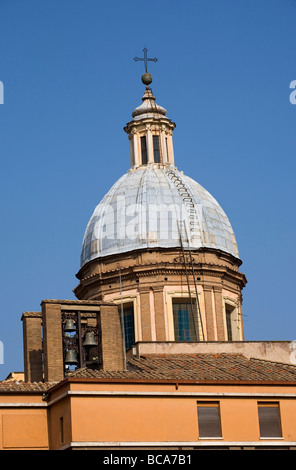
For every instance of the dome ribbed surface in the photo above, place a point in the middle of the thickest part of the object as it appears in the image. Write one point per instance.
(156, 207)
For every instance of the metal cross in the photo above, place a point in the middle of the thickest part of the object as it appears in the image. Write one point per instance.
(145, 59)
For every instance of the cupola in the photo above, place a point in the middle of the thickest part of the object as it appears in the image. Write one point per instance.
(150, 132)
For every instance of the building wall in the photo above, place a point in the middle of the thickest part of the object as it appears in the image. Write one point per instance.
(113, 414)
(165, 415)
(23, 423)
(60, 423)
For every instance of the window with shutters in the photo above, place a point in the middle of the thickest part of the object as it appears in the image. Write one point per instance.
(209, 423)
(269, 419)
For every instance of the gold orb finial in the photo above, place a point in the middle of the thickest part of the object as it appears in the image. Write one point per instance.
(147, 78)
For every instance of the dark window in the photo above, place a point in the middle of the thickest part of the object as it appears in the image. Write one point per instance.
(62, 430)
(156, 149)
(144, 150)
(269, 420)
(184, 325)
(209, 424)
(129, 327)
(229, 309)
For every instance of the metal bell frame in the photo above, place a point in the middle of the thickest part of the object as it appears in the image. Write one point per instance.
(78, 342)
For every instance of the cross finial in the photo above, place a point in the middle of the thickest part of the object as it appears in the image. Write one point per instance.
(145, 59)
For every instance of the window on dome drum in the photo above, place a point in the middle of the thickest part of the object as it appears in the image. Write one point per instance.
(269, 419)
(209, 422)
(144, 150)
(229, 309)
(156, 149)
(129, 326)
(184, 324)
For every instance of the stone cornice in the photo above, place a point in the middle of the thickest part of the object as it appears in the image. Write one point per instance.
(31, 315)
(168, 268)
(167, 263)
(76, 302)
(178, 256)
(112, 277)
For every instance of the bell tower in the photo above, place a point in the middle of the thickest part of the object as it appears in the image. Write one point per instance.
(70, 334)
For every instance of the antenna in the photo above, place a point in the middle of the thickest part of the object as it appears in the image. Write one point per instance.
(188, 284)
(197, 300)
(122, 317)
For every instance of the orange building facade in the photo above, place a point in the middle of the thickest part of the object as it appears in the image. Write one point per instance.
(127, 410)
(152, 354)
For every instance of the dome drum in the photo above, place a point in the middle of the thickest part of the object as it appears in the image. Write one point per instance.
(151, 281)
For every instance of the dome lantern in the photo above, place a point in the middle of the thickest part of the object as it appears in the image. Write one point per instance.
(150, 132)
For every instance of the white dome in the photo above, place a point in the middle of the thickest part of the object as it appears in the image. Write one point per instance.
(156, 207)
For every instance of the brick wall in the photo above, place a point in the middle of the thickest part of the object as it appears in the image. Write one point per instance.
(32, 342)
(112, 340)
(52, 342)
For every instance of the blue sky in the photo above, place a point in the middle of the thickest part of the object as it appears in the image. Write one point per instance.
(70, 85)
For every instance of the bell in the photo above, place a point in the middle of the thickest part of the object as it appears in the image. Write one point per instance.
(70, 325)
(71, 357)
(89, 339)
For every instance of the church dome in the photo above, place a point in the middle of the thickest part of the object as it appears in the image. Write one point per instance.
(156, 207)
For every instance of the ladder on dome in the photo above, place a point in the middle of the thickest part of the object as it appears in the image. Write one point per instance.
(188, 201)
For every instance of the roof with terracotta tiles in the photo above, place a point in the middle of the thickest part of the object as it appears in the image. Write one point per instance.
(15, 386)
(198, 367)
(179, 367)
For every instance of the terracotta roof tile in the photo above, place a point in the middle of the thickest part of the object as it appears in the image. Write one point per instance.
(192, 367)
(14, 386)
(226, 367)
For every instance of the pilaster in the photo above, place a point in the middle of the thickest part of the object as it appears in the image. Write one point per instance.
(112, 339)
(145, 314)
(218, 300)
(52, 342)
(210, 314)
